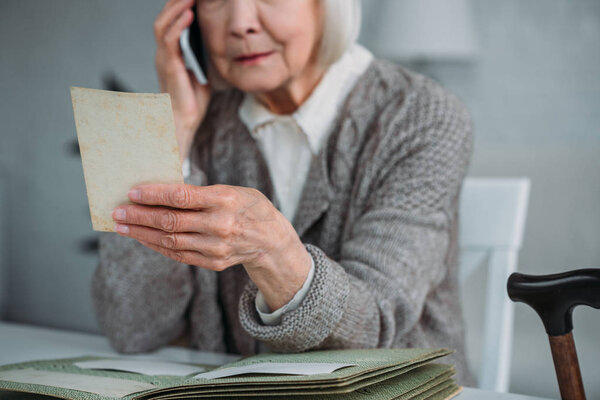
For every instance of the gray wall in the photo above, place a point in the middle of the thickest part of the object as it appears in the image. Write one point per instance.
(47, 47)
(534, 93)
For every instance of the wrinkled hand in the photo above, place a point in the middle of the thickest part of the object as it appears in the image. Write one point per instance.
(215, 227)
(189, 99)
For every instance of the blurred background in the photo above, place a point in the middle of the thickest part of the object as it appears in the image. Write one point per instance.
(528, 70)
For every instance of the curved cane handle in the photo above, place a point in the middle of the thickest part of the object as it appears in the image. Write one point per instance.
(555, 296)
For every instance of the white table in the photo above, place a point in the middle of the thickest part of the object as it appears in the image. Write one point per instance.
(19, 343)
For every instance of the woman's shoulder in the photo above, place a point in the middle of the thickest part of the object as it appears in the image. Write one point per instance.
(394, 85)
(407, 104)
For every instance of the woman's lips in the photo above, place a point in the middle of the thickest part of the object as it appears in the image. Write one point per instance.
(253, 58)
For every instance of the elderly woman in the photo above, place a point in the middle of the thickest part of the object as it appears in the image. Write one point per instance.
(321, 207)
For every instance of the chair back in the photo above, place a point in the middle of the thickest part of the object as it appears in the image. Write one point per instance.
(492, 220)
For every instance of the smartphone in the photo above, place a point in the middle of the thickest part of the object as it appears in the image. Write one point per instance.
(193, 50)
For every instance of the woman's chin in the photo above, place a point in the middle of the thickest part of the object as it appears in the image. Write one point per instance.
(262, 83)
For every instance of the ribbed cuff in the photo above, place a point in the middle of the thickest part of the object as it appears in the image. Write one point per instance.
(274, 318)
(316, 317)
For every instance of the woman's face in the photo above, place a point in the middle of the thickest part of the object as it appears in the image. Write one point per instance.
(284, 34)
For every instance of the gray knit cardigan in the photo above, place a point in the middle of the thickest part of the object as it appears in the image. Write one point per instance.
(378, 214)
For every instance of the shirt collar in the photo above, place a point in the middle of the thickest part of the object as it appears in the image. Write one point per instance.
(315, 116)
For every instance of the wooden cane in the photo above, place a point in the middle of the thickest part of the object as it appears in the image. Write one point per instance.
(554, 297)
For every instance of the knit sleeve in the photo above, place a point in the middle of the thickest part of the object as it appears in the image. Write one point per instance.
(394, 253)
(140, 296)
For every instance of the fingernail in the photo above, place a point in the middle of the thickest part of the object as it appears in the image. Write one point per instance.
(119, 213)
(122, 228)
(135, 194)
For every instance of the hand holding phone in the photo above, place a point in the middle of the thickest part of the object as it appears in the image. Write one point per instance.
(189, 98)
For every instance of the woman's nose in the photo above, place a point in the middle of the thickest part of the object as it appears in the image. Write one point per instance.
(243, 17)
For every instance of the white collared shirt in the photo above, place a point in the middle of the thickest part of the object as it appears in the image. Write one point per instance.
(290, 142)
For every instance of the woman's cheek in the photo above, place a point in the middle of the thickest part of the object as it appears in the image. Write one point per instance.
(298, 56)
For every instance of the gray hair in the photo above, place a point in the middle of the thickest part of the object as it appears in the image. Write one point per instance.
(341, 26)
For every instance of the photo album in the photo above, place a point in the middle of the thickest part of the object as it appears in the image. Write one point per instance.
(366, 374)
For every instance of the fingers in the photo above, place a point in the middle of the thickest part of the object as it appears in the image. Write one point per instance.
(172, 241)
(165, 219)
(173, 10)
(171, 37)
(189, 257)
(183, 196)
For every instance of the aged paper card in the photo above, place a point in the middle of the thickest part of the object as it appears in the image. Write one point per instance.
(125, 139)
